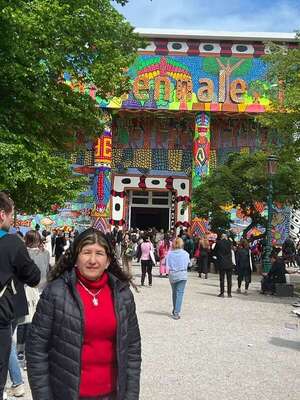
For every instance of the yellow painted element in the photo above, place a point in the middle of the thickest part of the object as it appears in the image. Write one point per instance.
(227, 207)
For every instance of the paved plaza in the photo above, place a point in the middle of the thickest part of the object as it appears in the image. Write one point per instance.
(240, 348)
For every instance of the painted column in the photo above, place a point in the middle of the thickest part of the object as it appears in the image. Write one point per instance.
(201, 156)
(102, 177)
(201, 148)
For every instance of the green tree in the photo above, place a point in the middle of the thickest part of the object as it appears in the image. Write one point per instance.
(34, 177)
(40, 40)
(242, 181)
(284, 77)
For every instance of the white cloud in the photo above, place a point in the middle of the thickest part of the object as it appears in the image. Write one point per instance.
(231, 15)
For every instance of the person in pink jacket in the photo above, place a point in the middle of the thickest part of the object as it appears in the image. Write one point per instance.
(164, 247)
(146, 260)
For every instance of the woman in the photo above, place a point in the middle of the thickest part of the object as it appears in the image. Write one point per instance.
(146, 257)
(163, 248)
(244, 265)
(202, 259)
(85, 340)
(177, 262)
(127, 254)
(38, 254)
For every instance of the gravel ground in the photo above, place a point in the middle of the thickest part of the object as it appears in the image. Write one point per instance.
(245, 347)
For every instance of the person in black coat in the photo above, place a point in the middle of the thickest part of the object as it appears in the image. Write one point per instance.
(275, 275)
(16, 269)
(60, 242)
(244, 265)
(223, 252)
(62, 345)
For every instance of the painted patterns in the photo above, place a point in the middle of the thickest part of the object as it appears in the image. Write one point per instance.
(214, 83)
(201, 147)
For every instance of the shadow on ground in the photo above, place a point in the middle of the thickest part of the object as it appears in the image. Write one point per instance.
(156, 313)
(290, 344)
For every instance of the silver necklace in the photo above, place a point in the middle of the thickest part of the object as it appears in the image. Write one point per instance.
(95, 301)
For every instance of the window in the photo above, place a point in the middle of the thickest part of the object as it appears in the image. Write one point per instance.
(241, 48)
(176, 46)
(141, 200)
(140, 194)
(160, 201)
(208, 47)
(160, 194)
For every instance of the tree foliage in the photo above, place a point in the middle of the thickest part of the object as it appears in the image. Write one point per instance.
(242, 182)
(284, 78)
(34, 177)
(39, 41)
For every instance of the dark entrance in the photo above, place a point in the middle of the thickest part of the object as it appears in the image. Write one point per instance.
(144, 218)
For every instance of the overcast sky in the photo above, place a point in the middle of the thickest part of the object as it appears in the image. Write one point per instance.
(228, 15)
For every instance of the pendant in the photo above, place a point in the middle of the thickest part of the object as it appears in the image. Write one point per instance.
(95, 301)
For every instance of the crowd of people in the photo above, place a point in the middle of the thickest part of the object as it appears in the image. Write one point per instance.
(82, 306)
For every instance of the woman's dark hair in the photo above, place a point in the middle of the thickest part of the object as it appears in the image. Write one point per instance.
(6, 202)
(244, 243)
(90, 236)
(166, 241)
(33, 239)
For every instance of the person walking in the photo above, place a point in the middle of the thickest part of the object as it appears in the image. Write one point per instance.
(118, 245)
(17, 269)
(202, 259)
(17, 388)
(177, 262)
(146, 248)
(189, 246)
(163, 248)
(85, 342)
(60, 243)
(127, 254)
(39, 255)
(244, 265)
(223, 253)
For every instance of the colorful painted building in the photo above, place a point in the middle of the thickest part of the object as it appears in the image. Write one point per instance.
(193, 101)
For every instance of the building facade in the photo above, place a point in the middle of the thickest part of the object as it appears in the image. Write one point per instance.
(193, 101)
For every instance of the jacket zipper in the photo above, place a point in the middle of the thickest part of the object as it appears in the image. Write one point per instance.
(118, 340)
(77, 298)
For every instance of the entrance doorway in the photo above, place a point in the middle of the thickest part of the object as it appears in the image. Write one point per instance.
(144, 218)
(148, 209)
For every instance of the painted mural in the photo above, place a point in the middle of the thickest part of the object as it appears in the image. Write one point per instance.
(201, 148)
(141, 139)
(195, 83)
(149, 142)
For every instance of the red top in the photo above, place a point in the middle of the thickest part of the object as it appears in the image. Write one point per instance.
(98, 355)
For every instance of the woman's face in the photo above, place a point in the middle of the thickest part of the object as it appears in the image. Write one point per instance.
(92, 261)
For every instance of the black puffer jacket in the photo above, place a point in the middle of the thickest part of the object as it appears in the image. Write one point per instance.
(54, 345)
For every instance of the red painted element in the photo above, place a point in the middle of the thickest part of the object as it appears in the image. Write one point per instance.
(183, 198)
(142, 183)
(84, 170)
(116, 222)
(100, 191)
(226, 49)
(169, 183)
(186, 224)
(114, 193)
